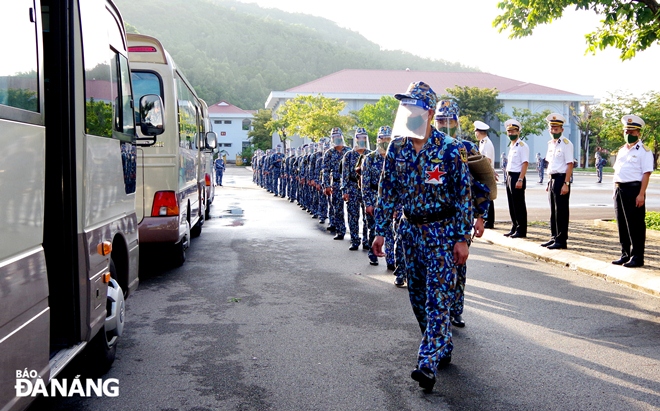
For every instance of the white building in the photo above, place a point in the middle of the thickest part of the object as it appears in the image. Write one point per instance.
(232, 125)
(360, 87)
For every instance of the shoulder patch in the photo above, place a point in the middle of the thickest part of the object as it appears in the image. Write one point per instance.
(566, 140)
(522, 144)
(463, 152)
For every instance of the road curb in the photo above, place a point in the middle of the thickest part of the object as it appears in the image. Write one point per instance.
(631, 277)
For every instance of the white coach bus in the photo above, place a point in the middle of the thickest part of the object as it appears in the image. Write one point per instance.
(171, 192)
(207, 165)
(68, 236)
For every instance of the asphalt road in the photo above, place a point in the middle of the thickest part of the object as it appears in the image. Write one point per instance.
(269, 313)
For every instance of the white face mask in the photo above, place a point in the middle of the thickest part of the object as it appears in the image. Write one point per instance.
(412, 119)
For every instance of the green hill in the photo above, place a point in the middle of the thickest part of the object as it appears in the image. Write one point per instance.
(240, 52)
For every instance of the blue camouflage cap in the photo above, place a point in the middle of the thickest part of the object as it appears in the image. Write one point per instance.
(336, 131)
(420, 91)
(447, 109)
(360, 130)
(385, 131)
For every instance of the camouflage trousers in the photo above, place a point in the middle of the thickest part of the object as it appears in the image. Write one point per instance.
(432, 277)
(355, 208)
(337, 210)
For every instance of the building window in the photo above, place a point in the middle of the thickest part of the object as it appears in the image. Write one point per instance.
(246, 124)
(227, 144)
(227, 121)
(217, 121)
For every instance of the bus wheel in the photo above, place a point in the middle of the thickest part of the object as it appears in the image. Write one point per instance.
(103, 346)
(179, 255)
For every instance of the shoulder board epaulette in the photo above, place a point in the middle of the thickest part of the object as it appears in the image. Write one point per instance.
(645, 148)
(566, 140)
(463, 152)
(522, 144)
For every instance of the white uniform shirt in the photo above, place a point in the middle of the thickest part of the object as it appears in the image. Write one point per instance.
(518, 154)
(487, 149)
(559, 155)
(631, 163)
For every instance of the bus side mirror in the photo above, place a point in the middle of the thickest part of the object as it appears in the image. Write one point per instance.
(152, 122)
(211, 140)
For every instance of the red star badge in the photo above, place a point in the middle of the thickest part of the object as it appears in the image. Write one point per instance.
(433, 176)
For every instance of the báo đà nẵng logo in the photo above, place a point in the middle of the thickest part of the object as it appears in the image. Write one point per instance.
(30, 384)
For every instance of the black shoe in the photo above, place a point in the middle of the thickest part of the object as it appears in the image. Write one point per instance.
(424, 377)
(557, 246)
(365, 247)
(399, 282)
(509, 234)
(314, 217)
(321, 221)
(338, 237)
(518, 235)
(548, 243)
(391, 267)
(444, 361)
(457, 321)
(352, 248)
(331, 229)
(373, 260)
(624, 259)
(634, 263)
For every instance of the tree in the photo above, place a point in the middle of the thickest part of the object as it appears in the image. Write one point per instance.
(311, 116)
(474, 104)
(650, 113)
(261, 135)
(614, 107)
(628, 25)
(532, 123)
(589, 121)
(374, 116)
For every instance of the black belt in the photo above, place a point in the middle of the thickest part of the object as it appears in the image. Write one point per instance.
(557, 175)
(353, 179)
(373, 186)
(430, 218)
(629, 184)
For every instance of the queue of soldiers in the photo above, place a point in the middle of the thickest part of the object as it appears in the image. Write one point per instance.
(419, 198)
(328, 178)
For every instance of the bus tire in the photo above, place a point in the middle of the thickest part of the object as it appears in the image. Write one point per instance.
(179, 255)
(102, 349)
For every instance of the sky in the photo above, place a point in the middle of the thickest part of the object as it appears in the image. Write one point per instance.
(462, 31)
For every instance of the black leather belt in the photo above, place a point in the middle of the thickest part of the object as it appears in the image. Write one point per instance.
(430, 218)
(558, 175)
(629, 184)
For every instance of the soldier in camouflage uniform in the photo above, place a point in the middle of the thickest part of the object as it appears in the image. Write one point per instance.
(446, 120)
(371, 169)
(351, 192)
(332, 182)
(276, 170)
(323, 199)
(425, 171)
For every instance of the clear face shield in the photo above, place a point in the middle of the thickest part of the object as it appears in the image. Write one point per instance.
(361, 142)
(448, 125)
(382, 143)
(338, 140)
(412, 119)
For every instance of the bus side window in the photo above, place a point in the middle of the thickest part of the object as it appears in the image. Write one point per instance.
(19, 76)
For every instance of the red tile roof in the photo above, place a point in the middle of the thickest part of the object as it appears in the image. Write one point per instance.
(397, 81)
(223, 107)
